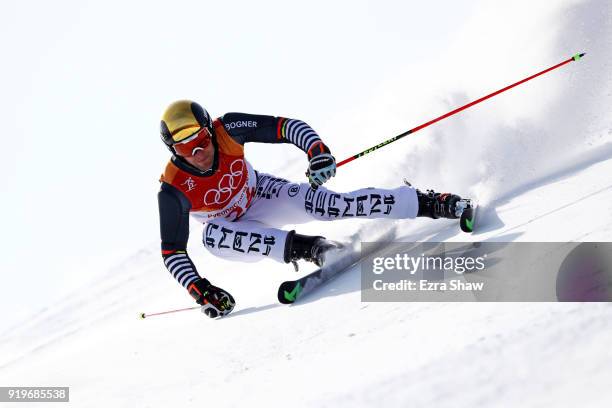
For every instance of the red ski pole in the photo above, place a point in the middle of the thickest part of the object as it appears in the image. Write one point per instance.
(431, 122)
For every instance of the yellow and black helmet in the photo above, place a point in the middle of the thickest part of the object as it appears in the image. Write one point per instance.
(182, 119)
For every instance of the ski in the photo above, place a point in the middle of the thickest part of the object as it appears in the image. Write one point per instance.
(467, 221)
(337, 262)
(292, 290)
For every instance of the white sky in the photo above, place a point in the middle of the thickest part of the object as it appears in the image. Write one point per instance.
(84, 83)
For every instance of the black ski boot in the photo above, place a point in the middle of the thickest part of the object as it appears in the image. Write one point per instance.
(307, 247)
(440, 205)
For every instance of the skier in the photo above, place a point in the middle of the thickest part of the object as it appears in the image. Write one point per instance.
(242, 209)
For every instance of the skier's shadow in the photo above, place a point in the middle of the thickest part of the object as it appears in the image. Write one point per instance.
(250, 310)
(347, 282)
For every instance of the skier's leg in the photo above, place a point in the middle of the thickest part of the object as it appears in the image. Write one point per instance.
(245, 241)
(279, 202)
(251, 241)
(440, 205)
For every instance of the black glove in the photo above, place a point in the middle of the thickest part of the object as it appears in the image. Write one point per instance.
(322, 165)
(215, 301)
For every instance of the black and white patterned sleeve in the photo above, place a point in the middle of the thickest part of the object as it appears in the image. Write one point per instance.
(244, 127)
(298, 132)
(174, 227)
(181, 268)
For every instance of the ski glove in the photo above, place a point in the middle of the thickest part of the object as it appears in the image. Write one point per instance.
(215, 301)
(322, 165)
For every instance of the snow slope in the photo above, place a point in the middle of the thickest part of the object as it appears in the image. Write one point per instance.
(331, 349)
(540, 161)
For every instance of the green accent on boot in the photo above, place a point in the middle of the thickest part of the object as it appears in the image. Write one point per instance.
(469, 223)
(291, 296)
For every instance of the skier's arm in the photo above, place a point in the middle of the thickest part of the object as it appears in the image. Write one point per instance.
(245, 128)
(174, 227)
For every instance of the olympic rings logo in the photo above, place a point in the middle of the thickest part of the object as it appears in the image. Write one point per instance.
(228, 184)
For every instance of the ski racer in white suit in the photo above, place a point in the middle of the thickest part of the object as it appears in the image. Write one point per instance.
(242, 210)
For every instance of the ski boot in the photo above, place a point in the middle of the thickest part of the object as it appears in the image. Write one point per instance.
(441, 205)
(307, 247)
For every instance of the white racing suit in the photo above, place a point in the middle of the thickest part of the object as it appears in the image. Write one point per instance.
(278, 202)
(242, 211)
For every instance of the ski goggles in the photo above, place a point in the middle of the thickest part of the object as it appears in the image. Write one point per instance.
(199, 140)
